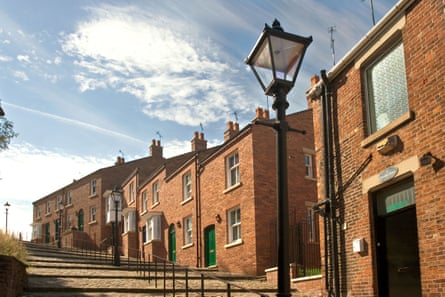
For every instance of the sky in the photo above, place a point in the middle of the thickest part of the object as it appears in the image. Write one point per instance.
(87, 81)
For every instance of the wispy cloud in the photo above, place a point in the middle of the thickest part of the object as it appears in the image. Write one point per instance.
(77, 123)
(171, 72)
(21, 75)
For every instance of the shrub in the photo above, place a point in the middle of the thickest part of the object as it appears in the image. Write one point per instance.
(11, 246)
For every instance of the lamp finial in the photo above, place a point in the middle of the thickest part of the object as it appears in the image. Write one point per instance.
(277, 26)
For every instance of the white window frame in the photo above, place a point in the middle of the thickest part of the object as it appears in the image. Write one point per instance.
(59, 202)
(234, 225)
(144, 201)
(93, 187)
(92, 214)
(155, 193)
(38, 212)
(48, 207)
(132, 192)
(232, 170)
(69, 198)
(376, 121)
(187, 186)
(308, 163)
(188, 231)
(153, 229)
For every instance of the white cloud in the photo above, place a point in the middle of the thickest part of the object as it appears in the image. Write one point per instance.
(28, 174)
(24, 58)
(172, 73)
(21, 75)
(5, 59)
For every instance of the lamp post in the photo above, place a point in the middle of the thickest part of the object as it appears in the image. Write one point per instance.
(59, 229)
(6, 205)
(275, 60)
(116, 198)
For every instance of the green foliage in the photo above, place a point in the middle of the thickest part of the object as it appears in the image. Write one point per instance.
(11, 246)
(6, 133)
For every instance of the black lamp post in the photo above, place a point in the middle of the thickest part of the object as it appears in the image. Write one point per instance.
(275, 60)
(116, 198)
(59, 229)
(6, 205)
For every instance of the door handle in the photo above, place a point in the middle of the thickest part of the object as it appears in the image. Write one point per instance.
(402, 269)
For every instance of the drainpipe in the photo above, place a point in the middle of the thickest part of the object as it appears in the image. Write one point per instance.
(198, 210)
(331, 249)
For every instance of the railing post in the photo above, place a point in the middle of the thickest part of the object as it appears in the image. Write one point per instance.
(202, 284)
(165, 279)
(156, 274)
(186, 282)
(228, 290)
(173, 279)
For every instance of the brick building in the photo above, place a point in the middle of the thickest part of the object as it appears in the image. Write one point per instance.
(213, 207)
(380, 138)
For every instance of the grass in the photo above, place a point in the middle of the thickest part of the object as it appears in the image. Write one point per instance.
(11, 246)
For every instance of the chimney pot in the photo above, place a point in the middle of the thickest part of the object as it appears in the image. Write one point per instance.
(314, 80)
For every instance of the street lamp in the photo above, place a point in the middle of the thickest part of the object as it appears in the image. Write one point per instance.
(7, 205)
(116, 198)
(275, 60)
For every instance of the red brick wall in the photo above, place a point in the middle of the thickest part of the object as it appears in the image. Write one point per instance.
(423, 41)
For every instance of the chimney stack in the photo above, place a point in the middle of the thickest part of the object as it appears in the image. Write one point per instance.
(198, 142)
(232, 129)
(261, 114)
(119, 160)
(156, 149)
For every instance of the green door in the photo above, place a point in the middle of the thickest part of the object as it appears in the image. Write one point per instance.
(210, 246)
(172, 243)
(80, 220)
(47, 233)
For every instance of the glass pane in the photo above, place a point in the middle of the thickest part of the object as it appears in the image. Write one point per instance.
(387, 91)
(286, 55)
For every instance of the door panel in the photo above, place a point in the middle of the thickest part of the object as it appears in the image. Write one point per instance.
(398, 254)
(172, 243)
(210, 246)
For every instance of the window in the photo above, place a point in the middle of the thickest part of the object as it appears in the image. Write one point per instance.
(144, 201)
(59, 202)
(38, 212)
(309, 166)
(69, 222)
(130, 221)
(387, 89)
(48, 207)
(155, 190)
(132, 193)
(310, 224)
(93, 189)
(69, 198)
(187, 186)
(92, 214)
(188, 231)
(234, 227)
(152, 229)
(232, 170)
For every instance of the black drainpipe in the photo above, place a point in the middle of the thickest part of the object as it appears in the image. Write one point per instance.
(330, 217)
(198, 210)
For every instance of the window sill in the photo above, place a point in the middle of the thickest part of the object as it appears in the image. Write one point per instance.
(235, 186)
(144, 212)
(310, 178)
(131, 202)
(93, 196)
(408, 116)
(69, 205)
(187, 246)
(234, 244)
(187, 200)
(47, 214)
(154, 205)
(92, 223)
(151, 241)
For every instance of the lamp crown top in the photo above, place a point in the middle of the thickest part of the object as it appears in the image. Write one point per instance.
(277, 26)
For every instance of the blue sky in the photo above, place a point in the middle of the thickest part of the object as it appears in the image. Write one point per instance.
(86, 81)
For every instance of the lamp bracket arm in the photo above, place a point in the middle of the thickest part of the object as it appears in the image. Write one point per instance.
(272, 124)
(296, 130)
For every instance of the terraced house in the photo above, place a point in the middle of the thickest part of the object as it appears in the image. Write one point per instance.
(379, 129)
(210, 207)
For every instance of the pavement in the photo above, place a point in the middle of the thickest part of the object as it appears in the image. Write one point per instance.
(53, 272)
